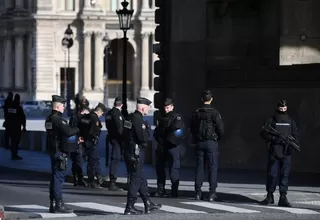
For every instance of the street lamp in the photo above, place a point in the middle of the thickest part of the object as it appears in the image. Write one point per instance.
(125, 16)
(106, 39)
(67, 43)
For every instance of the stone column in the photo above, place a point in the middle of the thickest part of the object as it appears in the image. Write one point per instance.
(29, 64)
(145, 62)
(19, 62)
(98, 62)
(69, 5)
(153, 6)
(19, 4)
(119, 4)
(8, 63)
(134, 6)
(8, 3)
(87, 62)
(145, 5)
(87, 4)
(154, 58)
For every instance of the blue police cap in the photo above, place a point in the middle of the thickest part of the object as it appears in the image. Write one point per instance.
(57, 98)
(143, 101)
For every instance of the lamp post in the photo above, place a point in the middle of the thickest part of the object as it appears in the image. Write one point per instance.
(106, 39)
(67, 43)
(125, 16)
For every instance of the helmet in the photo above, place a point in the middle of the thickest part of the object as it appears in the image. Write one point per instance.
(179, 133)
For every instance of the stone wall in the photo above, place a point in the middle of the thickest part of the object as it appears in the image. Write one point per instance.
(240, 63)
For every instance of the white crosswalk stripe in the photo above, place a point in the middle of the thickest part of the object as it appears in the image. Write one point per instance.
(290, 210)
(221, 207)
(98, 206)
(173, 209)
(177, 208)
(41, 210)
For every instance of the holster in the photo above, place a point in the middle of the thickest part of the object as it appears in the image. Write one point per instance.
(62, 162)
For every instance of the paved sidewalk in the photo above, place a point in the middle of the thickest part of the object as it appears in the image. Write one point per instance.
(306, 187)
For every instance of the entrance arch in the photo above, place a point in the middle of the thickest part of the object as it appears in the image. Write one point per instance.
(115, 68)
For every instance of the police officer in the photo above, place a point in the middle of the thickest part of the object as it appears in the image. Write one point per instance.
(114, 123)
(15, 118)
(77, 152)
(207, 129)
(168, 134)
(59, 137)
(279, 156)
(90, 128)
(136, 135)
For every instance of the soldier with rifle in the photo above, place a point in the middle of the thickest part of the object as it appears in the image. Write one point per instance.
(281, 133)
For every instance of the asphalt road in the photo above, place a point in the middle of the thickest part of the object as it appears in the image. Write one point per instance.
(25, 195)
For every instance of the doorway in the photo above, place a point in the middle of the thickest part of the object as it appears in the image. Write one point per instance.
(70, 81)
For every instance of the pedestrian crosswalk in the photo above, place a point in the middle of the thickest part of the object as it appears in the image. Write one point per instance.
(179, 207)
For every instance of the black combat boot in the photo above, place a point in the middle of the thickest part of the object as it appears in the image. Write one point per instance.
(212, 197)
(150, 206)
(198, 195)
(160, 192)
(268, 200)
(52, 206)
(75, 180)
(100, 180)
(92, 184)
(61, 208)
(113, 186)
(81, 181)
(131, 210)
(174, 190)
(283, 201)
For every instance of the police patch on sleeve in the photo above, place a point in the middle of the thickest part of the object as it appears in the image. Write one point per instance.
(120, 118)
(143, 126)
(178, 118)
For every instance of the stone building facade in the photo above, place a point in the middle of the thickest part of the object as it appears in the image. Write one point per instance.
(34, 63)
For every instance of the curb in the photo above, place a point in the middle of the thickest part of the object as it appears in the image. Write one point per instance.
(1, 212)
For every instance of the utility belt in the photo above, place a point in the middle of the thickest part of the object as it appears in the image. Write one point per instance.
(93, 140)
(213, 137)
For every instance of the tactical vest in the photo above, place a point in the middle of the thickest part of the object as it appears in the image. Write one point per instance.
(84, 126)
(205, 125)
(282, 123)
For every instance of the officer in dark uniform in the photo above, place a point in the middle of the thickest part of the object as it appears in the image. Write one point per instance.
(15, 119)
(90, 128)
(114, 123)
(136, 135)
(168, 135)
(279, 156)
(60, 137)
(207, 129)
(7, 102)
(77, 152)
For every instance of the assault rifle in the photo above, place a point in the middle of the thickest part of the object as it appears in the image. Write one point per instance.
(288, 141)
